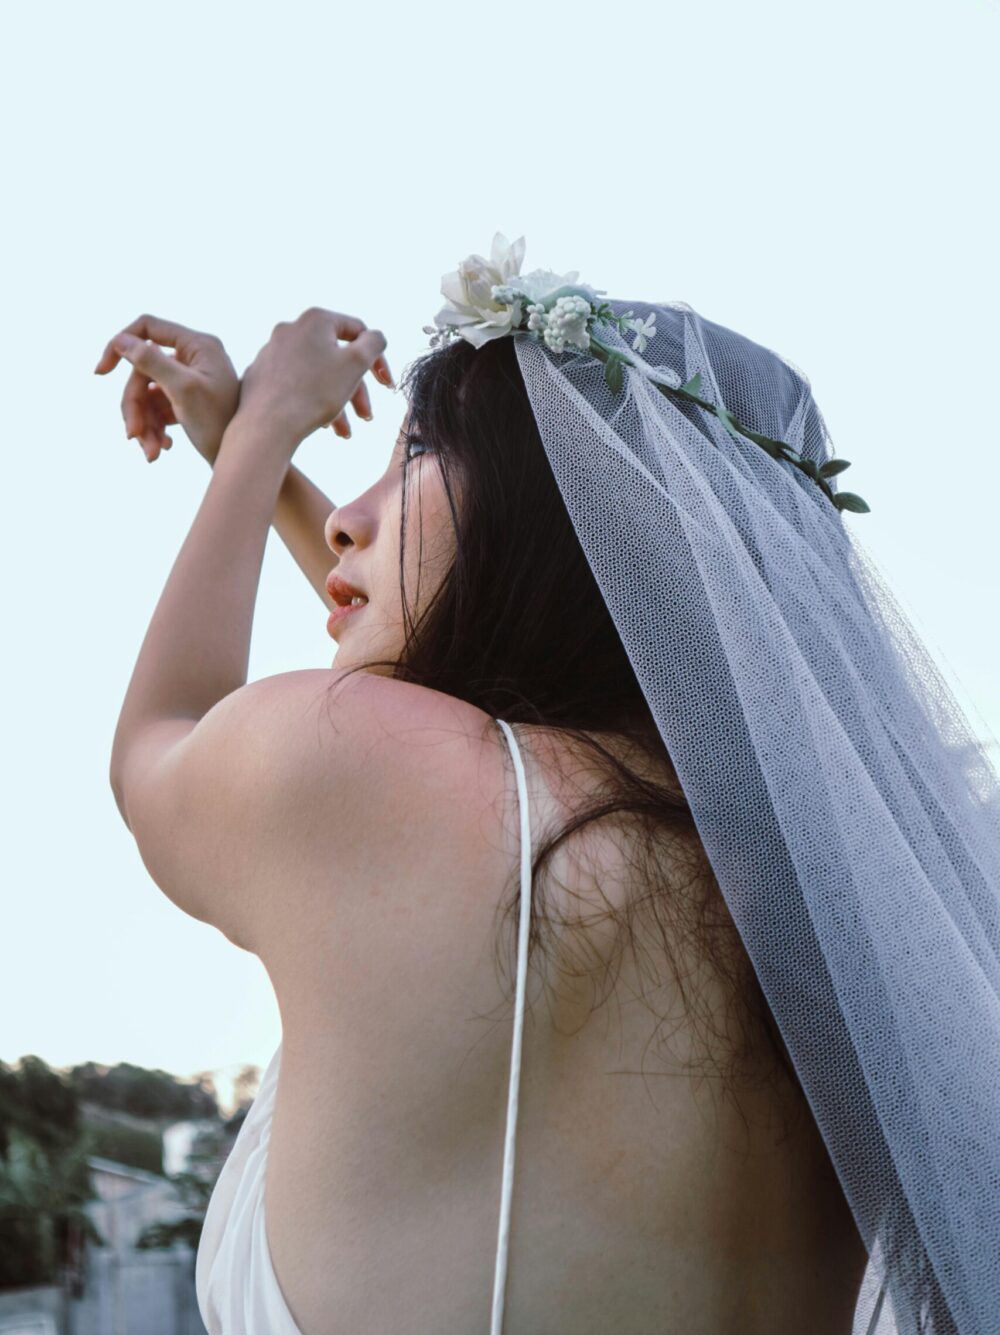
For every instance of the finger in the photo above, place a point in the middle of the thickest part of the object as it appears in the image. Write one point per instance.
(363, 350)
(342, 426)
(154, 443)
(144, 412)
(369, 345)
(134, 400)
(350, 327)
(361, 402)
(184, 341)
(153, 363)
(380, 369)
(162, 406)
(159, 415)
(150, 445)
(167, 332)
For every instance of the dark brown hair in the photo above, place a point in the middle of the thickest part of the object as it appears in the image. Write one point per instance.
(519, 629)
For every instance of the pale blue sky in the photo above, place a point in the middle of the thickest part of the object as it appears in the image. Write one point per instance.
(819, 178)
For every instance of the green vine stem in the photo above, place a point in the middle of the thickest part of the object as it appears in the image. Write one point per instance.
(614, 359)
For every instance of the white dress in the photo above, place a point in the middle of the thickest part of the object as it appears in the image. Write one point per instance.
(238, 1291)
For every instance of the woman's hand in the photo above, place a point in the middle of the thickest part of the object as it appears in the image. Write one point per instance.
(198, 388)
(303, 378)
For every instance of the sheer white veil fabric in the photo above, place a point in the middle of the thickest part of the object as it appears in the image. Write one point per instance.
(850, 813)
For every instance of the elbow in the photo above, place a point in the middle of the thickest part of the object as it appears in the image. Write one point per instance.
(116, 788)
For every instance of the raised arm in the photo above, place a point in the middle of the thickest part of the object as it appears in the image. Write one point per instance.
(199, 389)
(299, 516)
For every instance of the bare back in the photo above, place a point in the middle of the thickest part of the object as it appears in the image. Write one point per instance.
(643, 1202)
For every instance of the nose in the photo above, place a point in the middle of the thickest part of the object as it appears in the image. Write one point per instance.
(336, 538)
(346, 526)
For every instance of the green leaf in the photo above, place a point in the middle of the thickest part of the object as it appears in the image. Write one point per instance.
(809, 466)
(846, 500)
(613, 373)
(833, 466)
(722, 413)
(693, 385)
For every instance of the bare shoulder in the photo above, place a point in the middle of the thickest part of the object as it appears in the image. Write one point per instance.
(388, 790)
(228, 810)
(395, 842)
(358, 740)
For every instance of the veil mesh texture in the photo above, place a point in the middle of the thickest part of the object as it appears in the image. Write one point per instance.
(849, 811)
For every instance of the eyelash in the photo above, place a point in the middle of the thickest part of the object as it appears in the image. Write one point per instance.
(411, 440)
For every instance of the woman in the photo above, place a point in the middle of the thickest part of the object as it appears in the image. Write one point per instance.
(362, 829)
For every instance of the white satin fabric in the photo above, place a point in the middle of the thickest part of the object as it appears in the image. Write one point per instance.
(238, 1291)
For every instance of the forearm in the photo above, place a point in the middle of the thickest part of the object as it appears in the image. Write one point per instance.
(299, 518)
(197, 647)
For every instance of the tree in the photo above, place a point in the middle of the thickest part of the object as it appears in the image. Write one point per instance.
(46, 1137)
(205, 1159)
(144, 1093)
(43, 1216)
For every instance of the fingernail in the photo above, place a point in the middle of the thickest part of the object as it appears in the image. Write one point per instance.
(124, 342)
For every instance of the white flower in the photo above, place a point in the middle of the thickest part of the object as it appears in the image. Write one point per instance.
(537, 318)
(567, 323)
(486, 298)
(543, 286)
(472, 309)
(644, 330)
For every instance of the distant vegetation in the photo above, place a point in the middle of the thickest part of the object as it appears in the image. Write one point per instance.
(152, 1094)
(51, 1122)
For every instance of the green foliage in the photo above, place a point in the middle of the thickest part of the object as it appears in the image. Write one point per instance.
(26, 1248)
(144, 1093)
(46, 1138)
(614, 360)
(136, 1146)
(846, 500)
(43, 1194)
(727, 420)
(39, 1101)
(195, 1191)
(833, 466)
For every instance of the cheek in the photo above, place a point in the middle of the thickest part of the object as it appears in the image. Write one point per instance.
(438, 525)
(430, 533)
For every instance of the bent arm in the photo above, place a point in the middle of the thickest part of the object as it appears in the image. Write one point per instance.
(299, 517)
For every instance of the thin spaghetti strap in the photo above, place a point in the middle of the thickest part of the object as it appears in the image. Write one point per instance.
(500, 1273)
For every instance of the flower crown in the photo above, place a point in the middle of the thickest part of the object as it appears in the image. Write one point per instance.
(488, 299)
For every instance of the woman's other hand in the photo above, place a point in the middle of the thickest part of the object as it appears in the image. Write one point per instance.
(197, 388)
(303, 377)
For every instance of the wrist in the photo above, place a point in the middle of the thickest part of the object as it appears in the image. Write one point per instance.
(263, 426)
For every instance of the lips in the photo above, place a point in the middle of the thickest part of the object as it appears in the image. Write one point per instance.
(341, 592)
